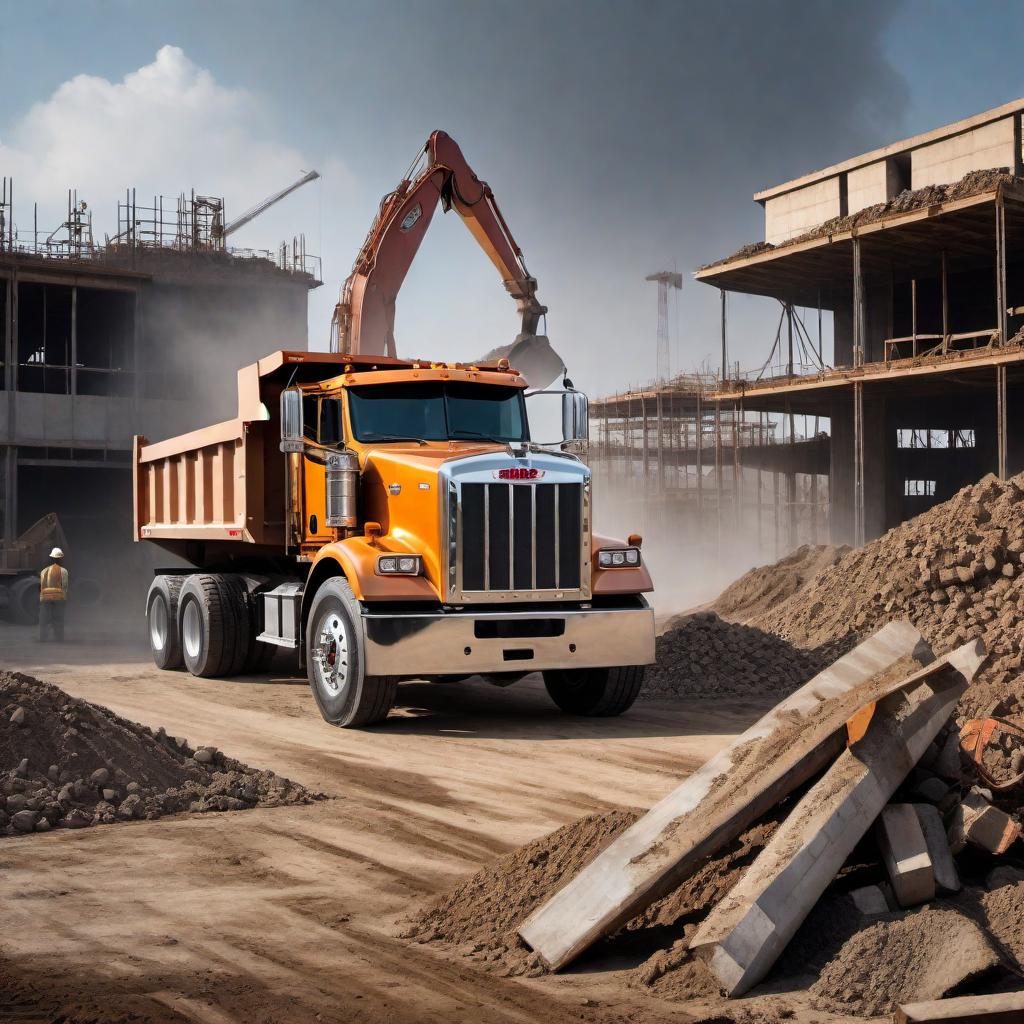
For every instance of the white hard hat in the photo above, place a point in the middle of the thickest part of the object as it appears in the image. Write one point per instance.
(56, 553)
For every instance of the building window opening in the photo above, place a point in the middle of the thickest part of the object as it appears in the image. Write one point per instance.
(44, 338)
(964, 439)
(919, 488)
(922, 438)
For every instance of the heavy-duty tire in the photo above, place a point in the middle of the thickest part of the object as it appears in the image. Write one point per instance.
(344, 694)
(162, 621)
(23, 601)
(208, 625)
(598, 692)
(237, 602)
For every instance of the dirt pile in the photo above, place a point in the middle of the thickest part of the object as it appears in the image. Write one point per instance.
(66, 763)
(955, 571)
(481, 915)
(925, 954)
(766, 586)
(706, 656)
(970, 184)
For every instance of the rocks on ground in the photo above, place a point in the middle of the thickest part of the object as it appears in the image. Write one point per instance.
(67, 763)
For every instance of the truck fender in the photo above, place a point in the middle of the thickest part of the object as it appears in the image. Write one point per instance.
(326, 566)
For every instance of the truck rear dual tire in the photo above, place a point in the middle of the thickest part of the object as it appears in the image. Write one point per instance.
(345, 695)
(206, 622)
(595, 692)
(162, 621)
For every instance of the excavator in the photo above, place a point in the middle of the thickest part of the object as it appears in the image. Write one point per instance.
(364, 318)
(392, 518)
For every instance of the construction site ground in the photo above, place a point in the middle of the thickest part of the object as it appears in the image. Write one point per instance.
(296, 913)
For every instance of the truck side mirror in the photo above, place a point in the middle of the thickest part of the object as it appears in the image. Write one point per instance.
(292, 430)
(575, 417)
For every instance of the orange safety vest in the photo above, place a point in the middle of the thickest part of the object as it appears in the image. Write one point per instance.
(53, 583)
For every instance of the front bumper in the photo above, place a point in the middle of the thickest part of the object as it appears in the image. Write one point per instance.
(416, 644)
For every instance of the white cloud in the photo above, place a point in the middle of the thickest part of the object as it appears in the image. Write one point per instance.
(163, 129)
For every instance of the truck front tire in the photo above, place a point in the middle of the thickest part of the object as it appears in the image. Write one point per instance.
(596, 692)
(162, 621)
(345, 695)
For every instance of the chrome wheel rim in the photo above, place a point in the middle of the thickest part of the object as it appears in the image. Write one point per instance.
(191, 630)
(330, 654)
(158, 624)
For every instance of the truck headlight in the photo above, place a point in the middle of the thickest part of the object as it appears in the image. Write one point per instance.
(618, 558)
(399, 565)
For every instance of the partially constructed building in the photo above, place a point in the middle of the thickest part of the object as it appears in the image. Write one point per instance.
(141, 333)
(917, 250)
(675, 463)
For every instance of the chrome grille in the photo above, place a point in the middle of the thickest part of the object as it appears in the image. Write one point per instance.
(520, 538)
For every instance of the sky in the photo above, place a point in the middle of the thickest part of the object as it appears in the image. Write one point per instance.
(619, 138)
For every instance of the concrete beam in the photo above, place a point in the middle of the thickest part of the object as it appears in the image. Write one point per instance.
(1002, 1008)
(905, 853)
(745, 933)
(790, 744)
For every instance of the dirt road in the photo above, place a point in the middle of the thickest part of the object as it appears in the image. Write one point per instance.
(294, 913)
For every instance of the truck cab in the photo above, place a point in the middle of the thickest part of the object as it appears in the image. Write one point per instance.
(389, 520)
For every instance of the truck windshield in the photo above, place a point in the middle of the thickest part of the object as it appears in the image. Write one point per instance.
(437, 412)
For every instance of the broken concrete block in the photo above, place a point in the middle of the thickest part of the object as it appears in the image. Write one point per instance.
(992, 830)
(655, 854)
(946, 877)
(933, 790)
(870, 900)
(744, 934)
(999, 1008)
(905, 852)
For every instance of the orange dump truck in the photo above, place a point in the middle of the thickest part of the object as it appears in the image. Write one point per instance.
(390, 519)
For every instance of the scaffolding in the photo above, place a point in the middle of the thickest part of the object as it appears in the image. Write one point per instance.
(188, 224)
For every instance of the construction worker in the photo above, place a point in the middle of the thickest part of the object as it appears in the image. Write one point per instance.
(53, 596)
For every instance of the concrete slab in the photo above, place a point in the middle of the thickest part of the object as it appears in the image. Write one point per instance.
(1003, 1008)
(905, 853)
(943, 867)
(786, 747)
(744, 935)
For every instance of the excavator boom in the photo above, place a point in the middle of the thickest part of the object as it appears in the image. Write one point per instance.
(364, 319)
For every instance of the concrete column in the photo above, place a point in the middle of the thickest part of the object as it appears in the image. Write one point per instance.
(1001, 420)
(858, 463)
(1001, 268)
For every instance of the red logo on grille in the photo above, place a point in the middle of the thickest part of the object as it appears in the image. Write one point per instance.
(519, 473)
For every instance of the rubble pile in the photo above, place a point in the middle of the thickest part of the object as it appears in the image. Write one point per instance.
(705, 656)
(971, 184)
(66, 763)
(955, 571)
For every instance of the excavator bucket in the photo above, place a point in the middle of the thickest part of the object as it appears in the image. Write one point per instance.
(533, 356)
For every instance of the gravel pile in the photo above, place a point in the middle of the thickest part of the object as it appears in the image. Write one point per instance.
(705, 656)
(956, 572)
(66, 763)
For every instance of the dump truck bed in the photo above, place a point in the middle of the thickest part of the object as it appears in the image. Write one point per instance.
(224, 484)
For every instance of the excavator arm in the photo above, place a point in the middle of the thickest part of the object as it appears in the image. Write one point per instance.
(364, 319)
